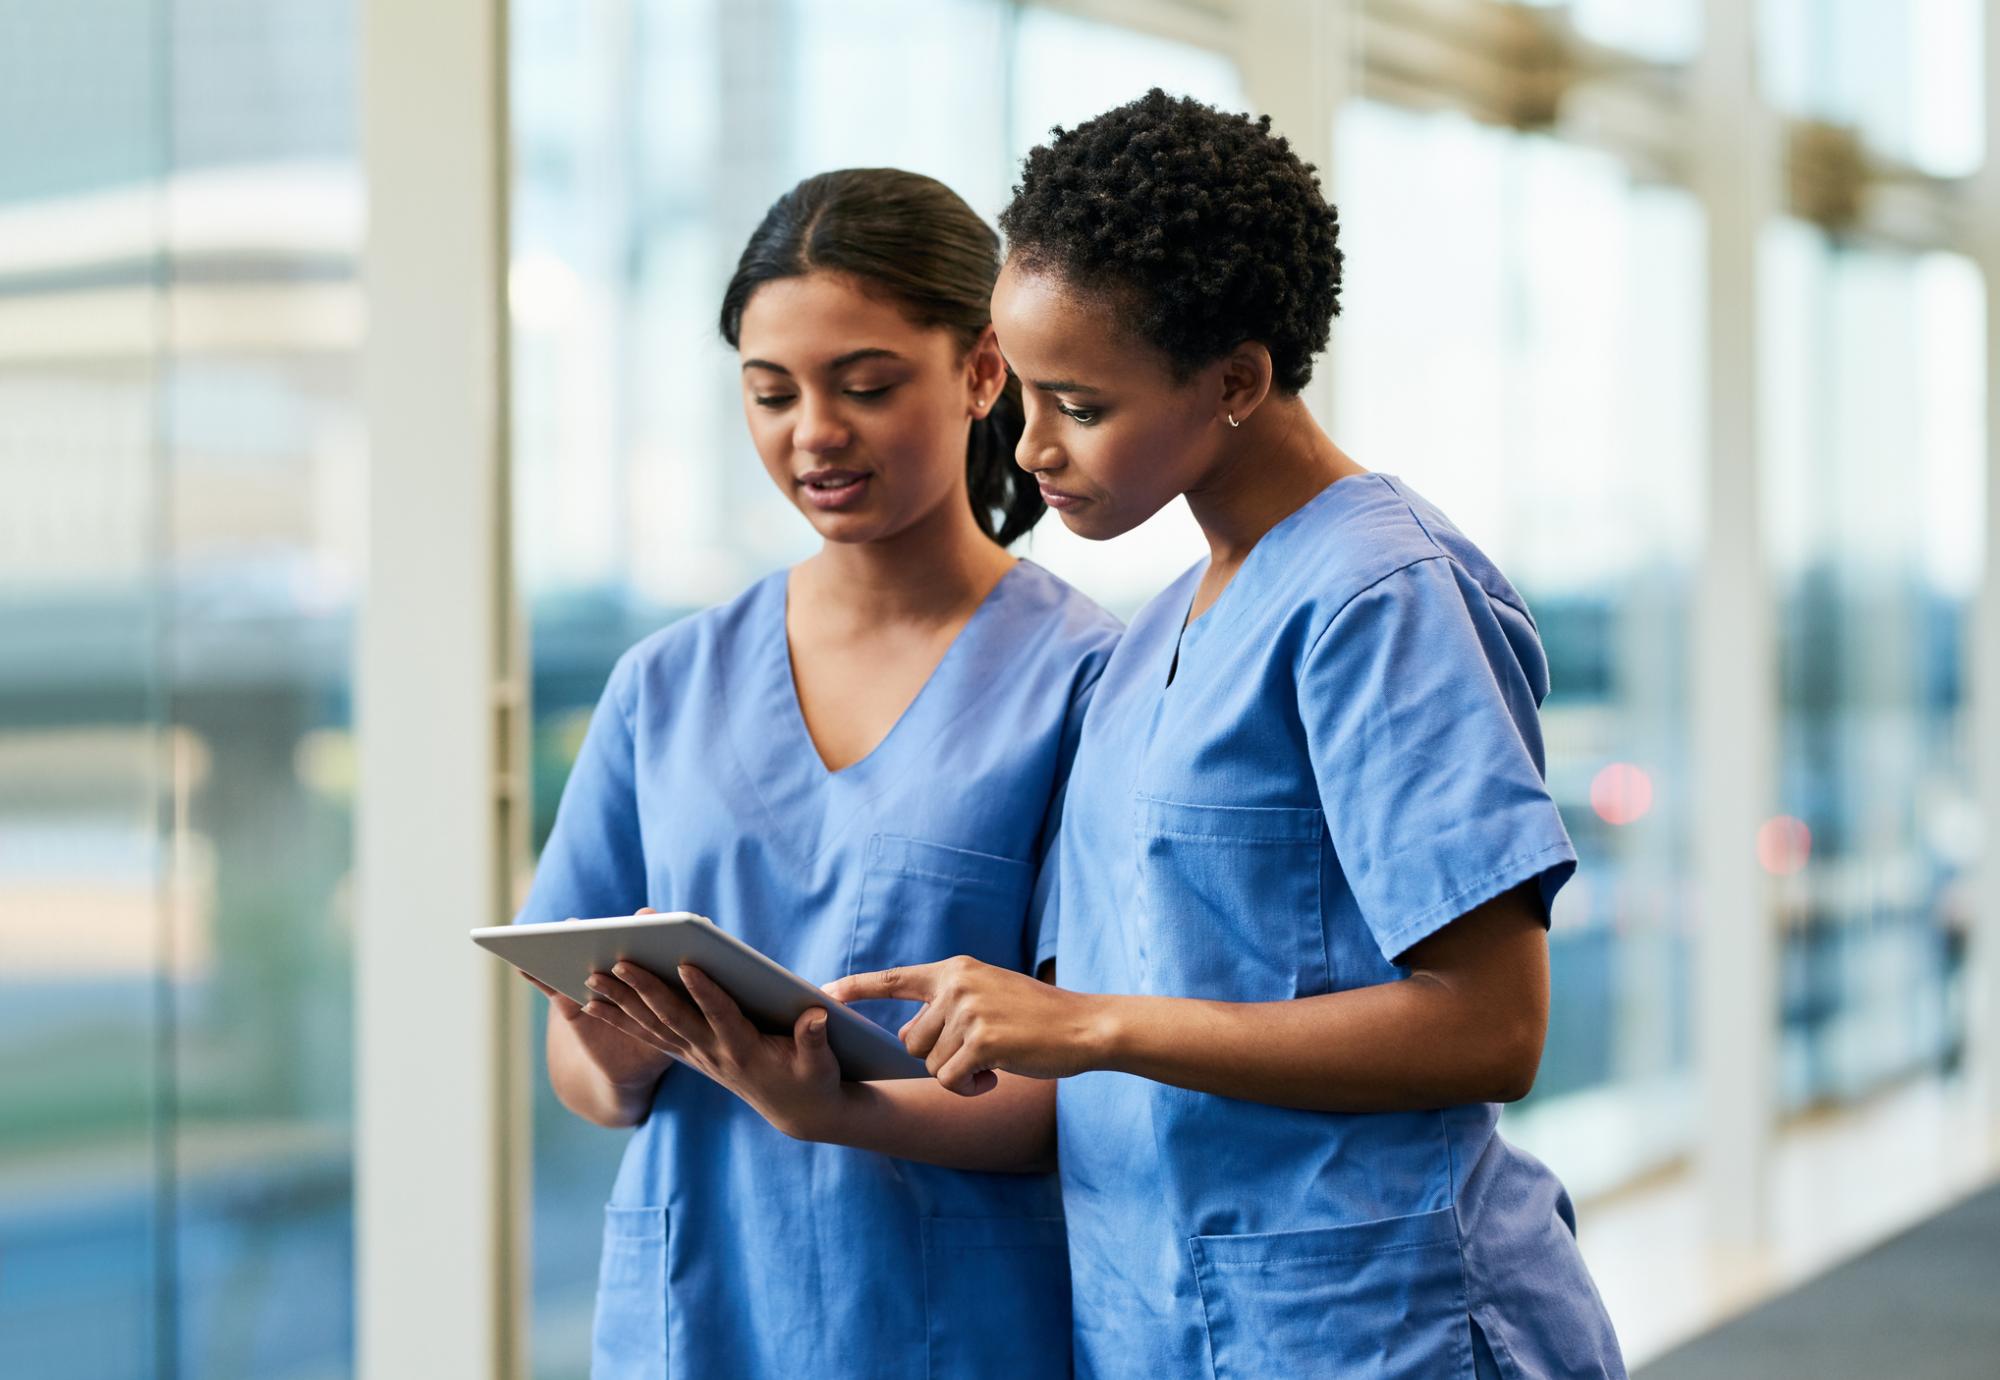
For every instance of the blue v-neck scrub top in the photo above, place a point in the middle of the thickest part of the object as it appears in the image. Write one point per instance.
(729, 1248)
(1340, 757)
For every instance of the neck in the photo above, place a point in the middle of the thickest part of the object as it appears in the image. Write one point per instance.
(1271, 467)
(927, 573)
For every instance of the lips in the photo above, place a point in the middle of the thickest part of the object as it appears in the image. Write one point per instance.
(834, 488)
(1059, 500)
(832, 479)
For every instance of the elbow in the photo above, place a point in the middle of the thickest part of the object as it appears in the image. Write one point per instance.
(1516, 1063)
(612, 1113)
(588, 1111)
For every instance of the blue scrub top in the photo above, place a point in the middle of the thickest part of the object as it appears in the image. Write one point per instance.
(731, 1249)
(1339, 758)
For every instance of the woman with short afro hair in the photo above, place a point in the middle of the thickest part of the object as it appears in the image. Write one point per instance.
(1307, 853)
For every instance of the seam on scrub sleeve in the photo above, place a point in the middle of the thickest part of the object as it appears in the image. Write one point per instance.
(1438, 914)
(1515, 603)
(1312, 648)
(630, 713)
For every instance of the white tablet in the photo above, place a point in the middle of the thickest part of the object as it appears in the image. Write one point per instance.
(564, 953)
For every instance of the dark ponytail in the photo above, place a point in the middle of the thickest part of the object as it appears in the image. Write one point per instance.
(916, 239)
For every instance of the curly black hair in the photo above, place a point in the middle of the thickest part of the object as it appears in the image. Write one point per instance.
(1207, 226)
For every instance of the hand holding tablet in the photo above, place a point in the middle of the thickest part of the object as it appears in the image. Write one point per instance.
(752, 988)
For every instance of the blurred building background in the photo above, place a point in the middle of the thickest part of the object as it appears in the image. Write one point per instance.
(1680, 308)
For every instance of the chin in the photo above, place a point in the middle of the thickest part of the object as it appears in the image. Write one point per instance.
(851, 529)
(1092, 524)
(846, 529)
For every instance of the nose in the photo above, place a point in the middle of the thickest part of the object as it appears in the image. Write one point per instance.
(820, 430)
(1037, 454)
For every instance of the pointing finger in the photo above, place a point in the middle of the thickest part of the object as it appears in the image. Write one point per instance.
(914, 982)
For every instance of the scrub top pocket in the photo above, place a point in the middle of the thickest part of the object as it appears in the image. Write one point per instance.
(922, 902)
(997, 1291)
(1378, 1300)
(1229, 900)
(629, 1336)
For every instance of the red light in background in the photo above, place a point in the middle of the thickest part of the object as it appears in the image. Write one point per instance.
(1621, 793)
(1783, 845)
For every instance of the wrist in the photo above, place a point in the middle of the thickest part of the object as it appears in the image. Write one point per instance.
(822, 1119)
(1102, 1033)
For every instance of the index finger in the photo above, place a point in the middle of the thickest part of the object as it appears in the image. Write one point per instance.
(562, 1003)
(914, 984)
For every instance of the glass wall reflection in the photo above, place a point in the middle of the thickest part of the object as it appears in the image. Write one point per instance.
(181, 458)
(1874, 372)
(1906, 79)
(1539, 377)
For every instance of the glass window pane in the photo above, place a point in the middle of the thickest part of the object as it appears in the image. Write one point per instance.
(83, 867)
(1909, 77)
(1521, 340)
(1662, 30)
(1874, 366)
(181, 456)
(82, 863)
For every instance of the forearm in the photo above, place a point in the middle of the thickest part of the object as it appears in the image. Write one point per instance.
(586, 1090)
(1400, 1046)
(1011, 1129)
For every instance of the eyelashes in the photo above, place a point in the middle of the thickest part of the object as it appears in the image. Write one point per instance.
(772, 402)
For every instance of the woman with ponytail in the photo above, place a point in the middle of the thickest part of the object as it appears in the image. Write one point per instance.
(856, 764)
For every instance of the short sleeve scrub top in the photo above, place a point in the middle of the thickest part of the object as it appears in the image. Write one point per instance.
(1337, 759)
(729, 1248)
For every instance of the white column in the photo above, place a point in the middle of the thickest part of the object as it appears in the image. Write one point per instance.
(1298, 59)
(438, 1133)
(1736, 173)
(1983, 977)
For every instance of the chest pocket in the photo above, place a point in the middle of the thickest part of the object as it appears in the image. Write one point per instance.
(1229, 900)
(922, 902)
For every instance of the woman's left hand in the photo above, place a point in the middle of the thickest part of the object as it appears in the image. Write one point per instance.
(792, 1080)
(978, 1018)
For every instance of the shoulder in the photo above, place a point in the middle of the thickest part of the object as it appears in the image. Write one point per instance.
(684, 649)
(1373, 535)
(1390, 529)
(1405, 577)
(1064, 622)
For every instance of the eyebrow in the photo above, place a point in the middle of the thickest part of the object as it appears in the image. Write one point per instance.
(841, 362)
(1051, 385)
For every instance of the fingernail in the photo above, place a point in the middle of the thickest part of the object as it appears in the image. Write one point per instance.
(622, 969)
(594, 983)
